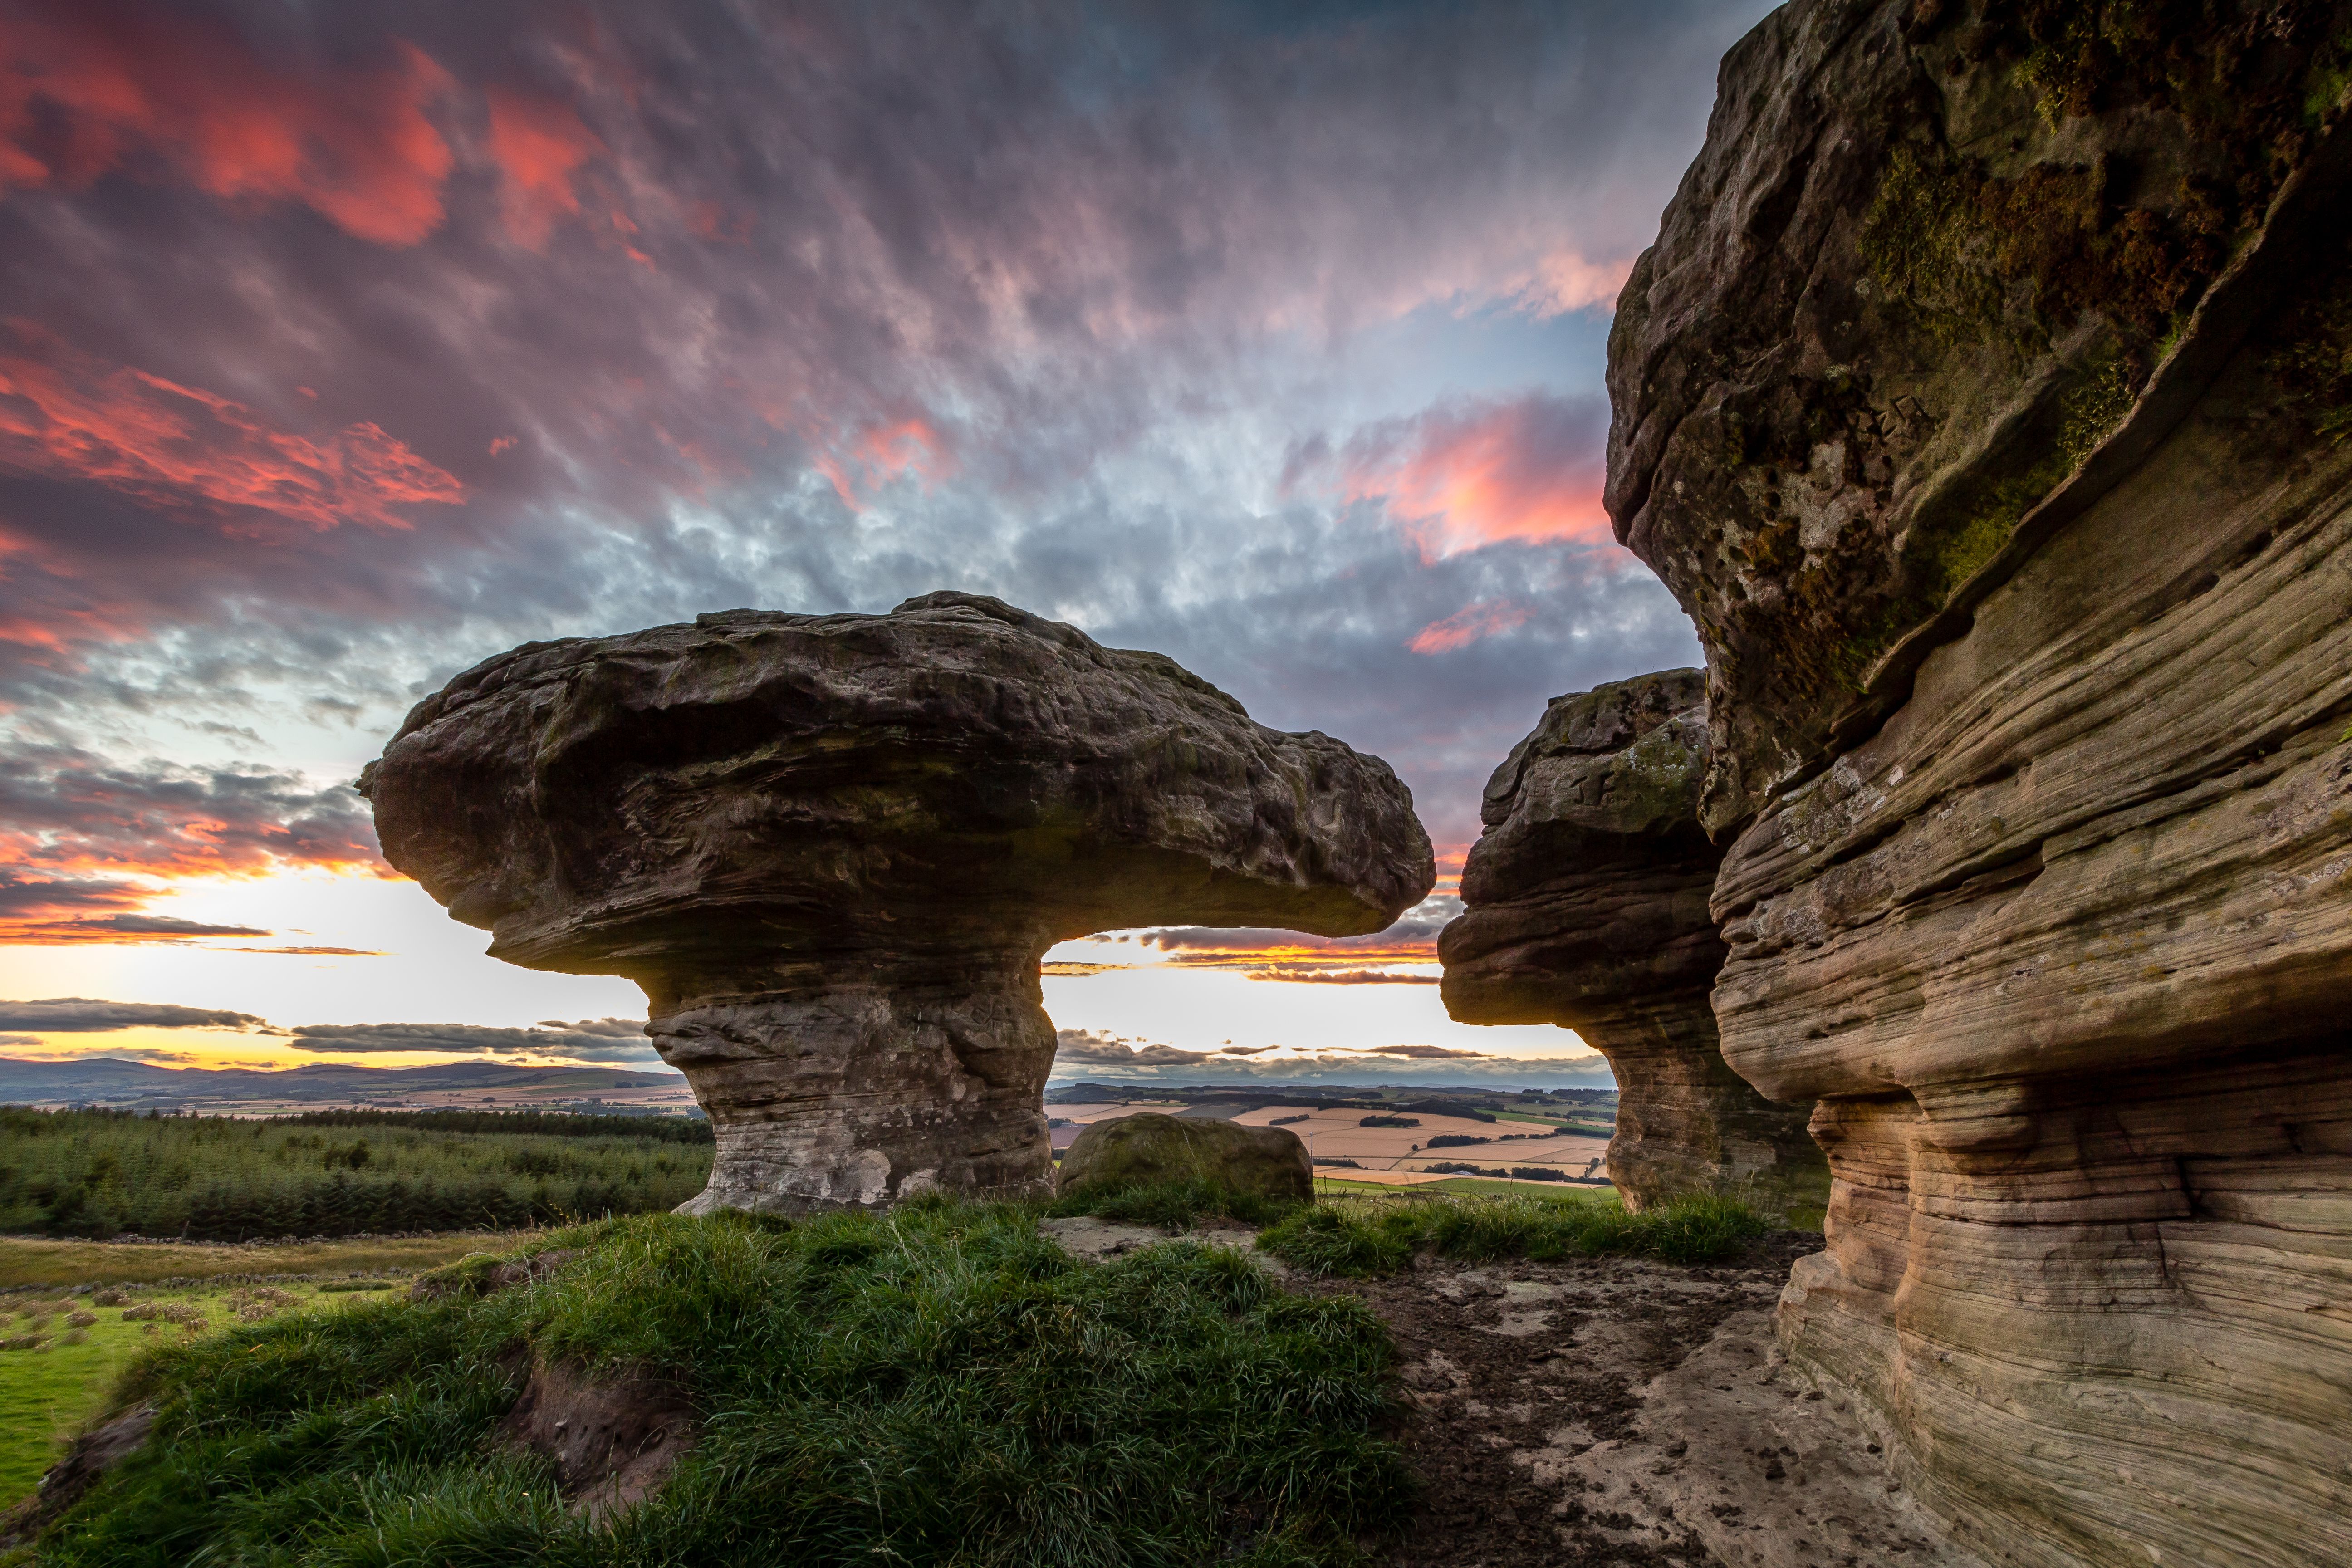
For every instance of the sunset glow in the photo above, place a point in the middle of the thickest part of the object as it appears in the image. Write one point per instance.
(341, 350)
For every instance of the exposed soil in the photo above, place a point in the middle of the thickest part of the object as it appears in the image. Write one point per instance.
(1612, 1413)
(613, 1439)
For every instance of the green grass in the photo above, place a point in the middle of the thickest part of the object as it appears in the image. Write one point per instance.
(41, 1262)
(1600, 1122)
(941, 1384)
(49, 1393)
(1360, 1238)
(1178, 1205)
(95, 1174)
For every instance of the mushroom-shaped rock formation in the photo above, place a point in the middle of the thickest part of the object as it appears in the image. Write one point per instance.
(1984, 401)
(833, 848)
(1587, 907)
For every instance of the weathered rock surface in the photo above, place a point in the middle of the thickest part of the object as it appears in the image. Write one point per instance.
(1268, 1162)
(1587, 907)
(2029, 711)
(831, 849)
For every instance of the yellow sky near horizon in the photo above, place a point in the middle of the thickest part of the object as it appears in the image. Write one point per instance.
(422, 967)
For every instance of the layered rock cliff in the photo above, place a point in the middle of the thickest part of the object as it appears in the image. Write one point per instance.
(1982, 401)
(1587, 907)
(833, 848)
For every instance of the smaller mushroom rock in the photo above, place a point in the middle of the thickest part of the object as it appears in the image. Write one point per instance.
(833, 848)
(1263, 1162)
(1588, 907)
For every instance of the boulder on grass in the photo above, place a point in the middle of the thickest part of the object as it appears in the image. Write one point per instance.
(1266, 1162)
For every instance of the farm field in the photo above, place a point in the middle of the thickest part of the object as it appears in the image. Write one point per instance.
(50, 1387)
(1419, 1183)
(1388, 1154)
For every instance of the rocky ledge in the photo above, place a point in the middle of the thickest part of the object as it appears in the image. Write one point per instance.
(833, 848)
(1587, 907)
(1984, 401)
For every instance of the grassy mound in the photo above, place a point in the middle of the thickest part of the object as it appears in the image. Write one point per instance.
(1368, 1236)
(1179, 1204)
(941, 1384)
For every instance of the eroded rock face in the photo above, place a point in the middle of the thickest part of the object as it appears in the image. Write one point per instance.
(832, 849)
(1908, 287)
(1588, 907)
(2043, 877)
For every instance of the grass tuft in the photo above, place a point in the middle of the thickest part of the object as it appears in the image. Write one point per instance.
(938, 1385)
(1364, 1237)
(1178, 1205)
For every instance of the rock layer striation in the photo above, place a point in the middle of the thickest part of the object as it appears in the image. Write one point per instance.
(1982, 400)
(833, 848)
(1587, 907)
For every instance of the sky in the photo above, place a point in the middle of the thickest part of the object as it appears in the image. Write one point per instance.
(342, 346)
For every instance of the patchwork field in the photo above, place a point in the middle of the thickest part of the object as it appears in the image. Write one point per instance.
(1388, 1155)
(55, 1367)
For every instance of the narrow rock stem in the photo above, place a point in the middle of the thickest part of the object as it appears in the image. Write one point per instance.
(860, 1081)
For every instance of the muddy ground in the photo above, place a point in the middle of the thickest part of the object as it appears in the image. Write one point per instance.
(1613, 1413)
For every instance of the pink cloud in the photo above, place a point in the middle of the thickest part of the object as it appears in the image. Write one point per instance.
(88, 91)
(1463, 476)
(1465, 626)
(538, 144)
(66, 415)
(882, 453)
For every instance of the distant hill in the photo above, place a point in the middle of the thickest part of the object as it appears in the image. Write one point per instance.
(108, 1080)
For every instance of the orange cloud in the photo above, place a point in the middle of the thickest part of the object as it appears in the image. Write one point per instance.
(66, 415)
(538, 143)
(881, 453)
(1462, 477)
(87, 93)
(1465, 626)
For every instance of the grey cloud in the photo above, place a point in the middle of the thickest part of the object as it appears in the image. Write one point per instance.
(1418, 925)
(61, 802)
(1126, 264)
(1086, 1054)
(594, 1040)
(1306, 976)
(89, 1014)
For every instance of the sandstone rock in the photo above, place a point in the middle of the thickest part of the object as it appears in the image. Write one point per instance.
(1587, 908)
(1906, 289)
(831, 849)
(1264, 1162)
(2043, 881)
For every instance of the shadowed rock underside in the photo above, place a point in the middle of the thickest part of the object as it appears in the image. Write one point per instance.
(1587, 907)
(833, 848)
(2043, 877)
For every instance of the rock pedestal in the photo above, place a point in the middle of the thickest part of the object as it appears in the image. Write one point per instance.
(1981, 401)
(833, 848)
(1587, 907)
